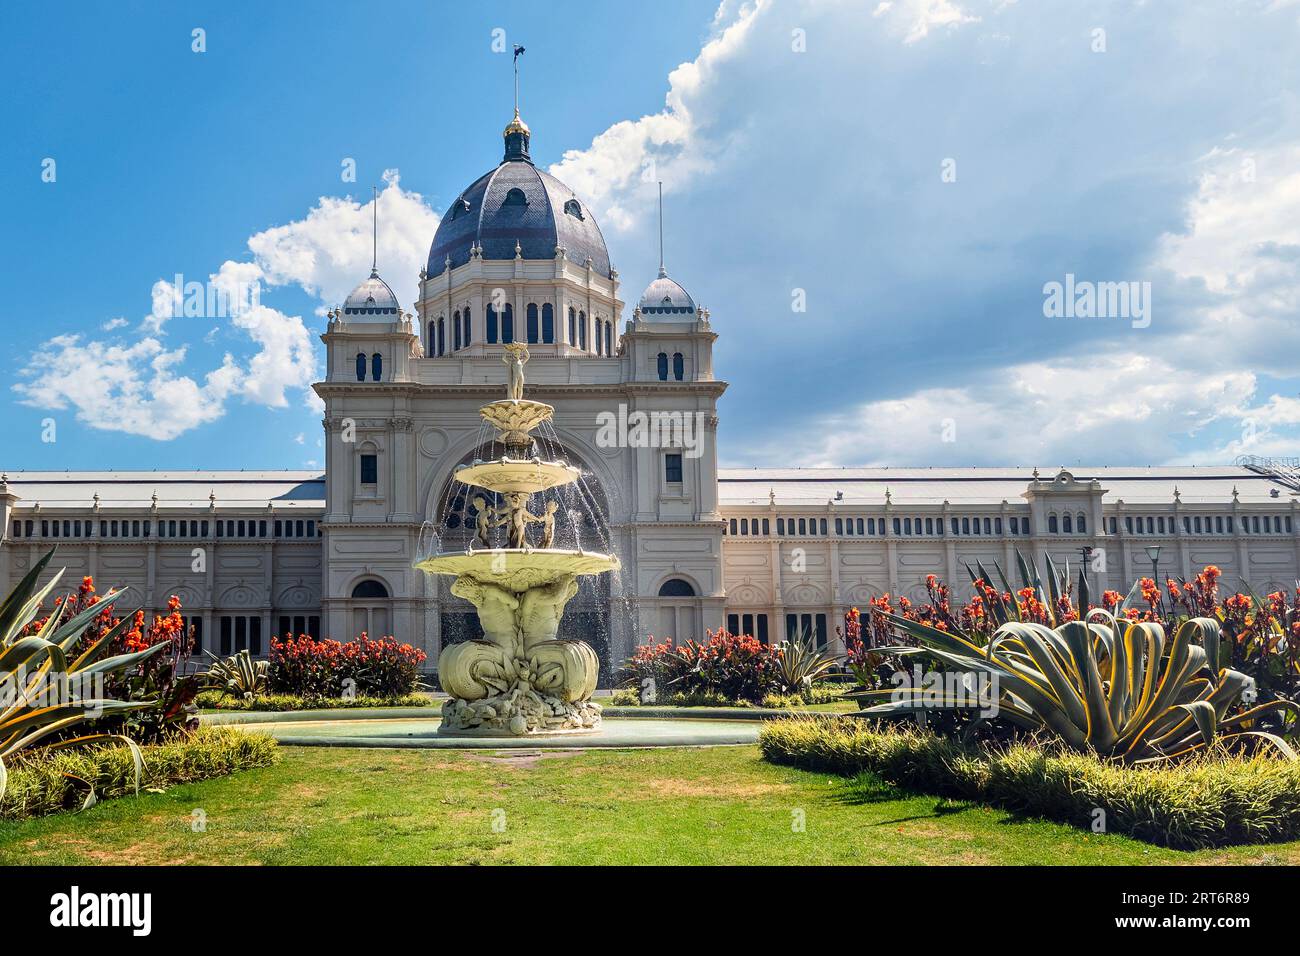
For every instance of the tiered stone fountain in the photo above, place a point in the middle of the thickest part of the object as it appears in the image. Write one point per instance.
(518, 679)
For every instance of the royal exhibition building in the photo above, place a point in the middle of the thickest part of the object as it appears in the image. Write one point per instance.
(519, 258)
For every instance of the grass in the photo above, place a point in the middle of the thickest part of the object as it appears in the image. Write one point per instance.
(670, 806)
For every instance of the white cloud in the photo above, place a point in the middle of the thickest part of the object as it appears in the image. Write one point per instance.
(1061, 411)
(328, 251)
(112, 324)
(139, 388)
(617, 172)
(133, 389)
(914, 19)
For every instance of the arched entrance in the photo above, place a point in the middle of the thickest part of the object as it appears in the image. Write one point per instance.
(370, 609)
(677, 616)
(582, 522)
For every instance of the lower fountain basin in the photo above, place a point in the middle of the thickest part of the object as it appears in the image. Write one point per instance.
(519, 569)
(424, 733)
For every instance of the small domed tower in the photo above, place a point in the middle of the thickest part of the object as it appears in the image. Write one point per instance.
(669, 338)
(369, 338)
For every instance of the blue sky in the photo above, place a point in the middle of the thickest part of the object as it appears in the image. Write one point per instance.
(803, 146)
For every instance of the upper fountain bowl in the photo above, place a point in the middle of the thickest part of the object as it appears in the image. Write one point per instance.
(516, 415)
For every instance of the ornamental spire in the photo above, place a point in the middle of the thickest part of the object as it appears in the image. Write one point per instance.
(516, 132)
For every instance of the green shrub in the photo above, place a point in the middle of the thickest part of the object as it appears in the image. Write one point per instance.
(219, 700)
(51, 679)
(1213, 799)
(238, 675)
(42, 782)
(699, 698)
(816, 694)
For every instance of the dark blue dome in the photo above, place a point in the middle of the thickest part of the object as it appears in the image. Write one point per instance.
(518, 203)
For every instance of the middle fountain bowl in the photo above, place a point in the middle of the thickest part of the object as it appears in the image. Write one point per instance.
(519, 569)
(529, 476)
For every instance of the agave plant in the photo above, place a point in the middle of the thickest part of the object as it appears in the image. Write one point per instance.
(39, 672)
(239, 675)
(1104, 685)
(799, 663)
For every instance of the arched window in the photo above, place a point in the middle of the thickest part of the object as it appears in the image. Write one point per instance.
(432, 348)
(533, 332)
(361, 366)
(609, 338)
(370, 589)
(600, 334)
(582, 331)
(515, 197)
(508, 323)
(679, 366)
(676, 587)
(1082, 524)
(548, 323)
(465, 337)
(455, 324)
(491, 325)
(1067, 524)
(663, 366)
(442, 336)
(376, 367)
(1051, 524)
(573, 326)
(573, 209)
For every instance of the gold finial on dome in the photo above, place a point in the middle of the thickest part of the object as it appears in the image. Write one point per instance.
(516, 125)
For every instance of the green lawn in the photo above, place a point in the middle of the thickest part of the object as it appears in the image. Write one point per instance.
(718, 805)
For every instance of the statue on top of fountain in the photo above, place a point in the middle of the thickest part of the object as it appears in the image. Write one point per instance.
(515, 357)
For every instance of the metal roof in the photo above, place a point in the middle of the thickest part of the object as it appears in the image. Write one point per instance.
(252, 490)
(542, 214)
(1135, 485)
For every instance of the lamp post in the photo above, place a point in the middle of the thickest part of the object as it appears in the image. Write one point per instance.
(1153, 552)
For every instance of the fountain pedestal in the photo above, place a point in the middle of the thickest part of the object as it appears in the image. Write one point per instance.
(517, 679)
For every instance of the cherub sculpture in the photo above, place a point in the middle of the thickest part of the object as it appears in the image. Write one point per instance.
(483, 521)
(548, 524)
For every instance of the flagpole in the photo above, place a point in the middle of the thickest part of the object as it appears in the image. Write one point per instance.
(661, 227)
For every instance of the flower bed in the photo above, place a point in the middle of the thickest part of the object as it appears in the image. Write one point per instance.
(1209, 801)
(42, 782)
(305, 667)
(724, 670)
